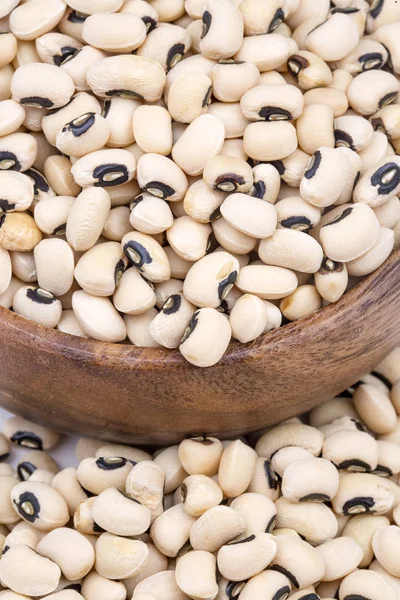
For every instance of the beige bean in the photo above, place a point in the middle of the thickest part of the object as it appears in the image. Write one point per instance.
(217, 17)
(29, 435)
(12, 116)
(267, 182)
(137, 329)
(40, 505)
(309, 70)
(334, 38)
(375, 409)
(267, 282)
(161, 177)
(269, 141)
(363, 493)
(96, 587)
(57, 170)
(216, 527)
(114, 33)
(298, 560)
(258, 511)
(134, 295)
(241, 560)
(202, 140)
(28, 21)
(196, 574)
(231, 79)
(100, 269)
(315, 128)
(40, 575)
(67, 484)
(200, 455)
(330, 96)
(363, 582)
(267, 584)
(313, 521)
(289, 434)
(70, 550)
(236, 469)
(202, 203)
(171, 530)
(268, 51)
(87, 218)
(152, 129)
(231, 239)
(206, 338)
(98, 317)
(372, 90)
(7, 483)
(119, 558)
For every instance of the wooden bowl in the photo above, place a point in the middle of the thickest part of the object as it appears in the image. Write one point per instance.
(153, 396)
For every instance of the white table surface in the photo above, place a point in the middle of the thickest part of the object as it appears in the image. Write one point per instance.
(63, 454)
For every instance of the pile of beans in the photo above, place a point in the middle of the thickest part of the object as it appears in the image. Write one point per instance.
(305, 510)
(178, 173)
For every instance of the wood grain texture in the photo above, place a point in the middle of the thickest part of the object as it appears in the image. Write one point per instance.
(134, 395)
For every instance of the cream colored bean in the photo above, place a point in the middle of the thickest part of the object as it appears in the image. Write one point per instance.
(152, 129)
(168, 460)
(218, 17)
(145, 484)
(291, 249)
(159, 585)
(372, 90)
(161, 177)
(6, 298)
(188, 238)
(137, 329)
(290, 434)
(114, 33)
(147, 256)
(87, 218)
(366, 584)
(351, 450)
(215, 528)
(91, 7)
(210, 279)
(250, 215)
(206, 338)
(189, 96)
(320, 185)
(98, 317)
(202, 203)
(36, 459)
(80, 104)
(17, 151)
(315, 128)
(342, 556)
(40, 505)
(41, 85)
(236, 469)
(231, 239)
(168, 330)
(55, 48)
(8, 515)
(375, 409)
(379, 183)
(362, 529)
(228, 174)
(299, 561)
(309, 70)
(313, 521)
(119, 558)
(267, 182)
(267, 585)
(304, 301)
(51, 214)
(202, 140)
(54, 260)
(196, 574)
(40, 575)
(336, 99)
(23, 533)
(37, 305)
(231, 79)
(70, 550)
(57, 170)
(135, 77)
(199, 494)
(200, 455)
(98, 474)
(100, 269)
(286, 456)
(116, 513)
(29, 435)
(232, 117)
(83, 135)
(258, 511)
(269, 141)
(28, 21)
(96, 587)
(294, 213)
(267, 282)
(310, 480)
(12, 116)
(117, 224)
(83, 518)
(241, 560)
(67, 484)
(134, 295)
(375, 257)
(273, 102)
(104, 168)
(170, 531)
(5, 269)
(267, 52)
(362, 492)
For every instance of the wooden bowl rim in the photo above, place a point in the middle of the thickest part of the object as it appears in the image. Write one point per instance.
(122, 355)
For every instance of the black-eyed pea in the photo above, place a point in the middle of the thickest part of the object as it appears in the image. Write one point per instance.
(98, 474)
(313, 521)
(249, 318)
(5, 269)
(298, 560)
(28, 22)
(67, 484)
(119, 558)
(320, 185)
(200, 493)
(228, 174)
(231, 79)
(169, 326)
(150, 214)
(326, 40)
(269, 141)
(271, 77)
(83, 135)
(189, 96)
(217, 17)
(363, 493)
(294, 166)
(8, 516)
(145, 11)
(375, 257)
(23, 533)
(56, 48)
(96, 587)
(301, 303)
(352, 131)
(352, 175)
(372, 90)
(240, 560)
(137, 329)
(331, 410)
(267, 585)
(295, 213)
(42, 85)
(216, 527)
(375, 409)
(166, 44)
(379, 183)
(29, 435)
(104, 168)
(152, 129)
(394, 436)
(330, 96)
(267, 282)
(202, 203)
(197, 63)
(145, 484)
(389, 213)
(87, 218)
(354, 242)
(36, 459)
(362, 528)
(116, 32)
(258, 511)
(236, 469)
(188, 238)
(315, 128)
(250, 215)
(389, 367)
(38, 305)
(161, 584)
(40, 505)
(267, 182)
(165, 289)
(206, 338)
(128, 76)
(290, 434)
(119, 514)
(363, 583)
(351, 450)
(286, 456)
(134, 295)
(54, 261)
(100, 269)
(83, 518)
(161, 177)
(277, 250)
(387, 36)
(200, 455)
(196, 574)
(72, 24)
(386, 120)
(147, 256)
(341, 80)
(310, 480)
(231, 115)
(201, 140)
(331, 280)
(272, 102)
(117, 224)
(80, 104)
(171, 530)
(25, 572)
(17, 151)
(210, 279)
(70, 550)
(231, 239)
(51, 214)
(57, 170)
(385, 544)
(309, 70)
(266, 51)
(90, 7)
(70, 324)
(12, 116)
(78, 65)
(168, 460)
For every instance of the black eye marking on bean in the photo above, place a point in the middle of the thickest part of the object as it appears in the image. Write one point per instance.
(272, 479)
(234, 588)
(387, 99)
(74, 586)
(343, 215)
(124, 94)
(4, 457)
(271, 525)
(296, 64)
(378, 125)
(224, 308)
(207, 98)
(228, 182)
(347, 465)
(67, 52)
(5, 205)
(330, 266)
(97, 528)
(343, 140)
(279, 166)
(175, 54)
(206, 19)
(172, 304)
(277, 20)
(5, 549)
(382, 471)
(60, 230)
(366, 502)
(40, 296)
(150, 23)
(119, 270)
(39, 181)
(28, 439)
(202, 439)
(353, 597)
(311, 596)
(259, 189)
(212, 243)
(299, 223)
(287, 573)
(191, 327)
(371, 60)
(25, 470)
(216, 214)
(313, 165)
(162, 189)
(347, 10)
(106, 108)
(226, 285)
(360, 426)
(81, 125)
(315, 498)
(77, 17)
(248, 539)
(110, 175)
(9, 157)
(274, 113)
(376, 8)
(386, 178)
(137, 254)
(282, 593)
(357, 179)
(382, 378)
(37, 101)
(111, 463)
(33, 503)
